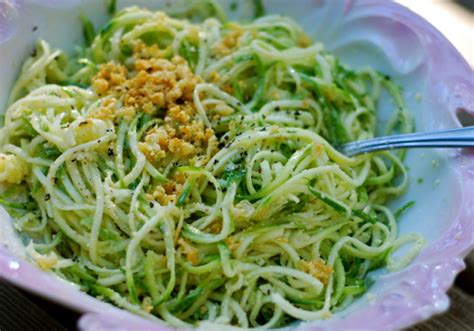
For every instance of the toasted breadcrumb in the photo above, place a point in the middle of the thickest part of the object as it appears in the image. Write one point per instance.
(106, 110)
(161, 88)
(318, 269)
(304, 40)
(215, 227)
(170, 191)
(191, 252)
(230, 242)
(229, 42)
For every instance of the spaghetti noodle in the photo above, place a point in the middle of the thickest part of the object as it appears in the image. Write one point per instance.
(187, 171)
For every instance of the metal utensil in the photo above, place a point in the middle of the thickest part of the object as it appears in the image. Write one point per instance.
(452, 138)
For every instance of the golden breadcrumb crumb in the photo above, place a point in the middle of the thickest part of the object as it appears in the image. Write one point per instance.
(161, 88)
(111, 75)
(230, 242)
(318, 269)
(214, 77)
(304, 40)
(106, 110)
(229, 42)
(191, 252)
(170, 191)
(227, 89)
(215, 227)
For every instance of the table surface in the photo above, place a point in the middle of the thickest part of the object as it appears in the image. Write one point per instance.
(23, 311)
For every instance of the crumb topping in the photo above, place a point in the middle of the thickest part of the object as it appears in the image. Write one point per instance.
(168, 192)
(231, 41)
(215, 227)
(231, 243)
(304, 40)
(163, 89)
(318, 269)
(191, 252)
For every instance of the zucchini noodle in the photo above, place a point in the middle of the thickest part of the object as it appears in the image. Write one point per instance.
(188, 172)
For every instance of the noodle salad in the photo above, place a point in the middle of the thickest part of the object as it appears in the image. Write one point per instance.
(187, 171)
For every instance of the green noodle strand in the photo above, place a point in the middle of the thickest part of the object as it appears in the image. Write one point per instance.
(276, 226)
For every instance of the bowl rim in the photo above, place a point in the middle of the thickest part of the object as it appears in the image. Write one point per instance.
(425, 283)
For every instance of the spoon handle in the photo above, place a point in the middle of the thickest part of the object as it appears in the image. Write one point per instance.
(452, 138)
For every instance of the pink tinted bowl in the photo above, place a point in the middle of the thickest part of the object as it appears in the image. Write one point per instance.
(381, 33)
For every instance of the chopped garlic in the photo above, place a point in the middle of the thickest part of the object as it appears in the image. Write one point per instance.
(12, 169)
(47, 261)
(89, 129)
(44, 261)
(243, 210)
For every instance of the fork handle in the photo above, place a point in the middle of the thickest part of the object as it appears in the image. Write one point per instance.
(452, 138)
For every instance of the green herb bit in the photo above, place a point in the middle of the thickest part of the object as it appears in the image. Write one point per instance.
(88, 30)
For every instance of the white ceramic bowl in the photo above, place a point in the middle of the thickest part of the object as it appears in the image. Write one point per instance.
(373, 33)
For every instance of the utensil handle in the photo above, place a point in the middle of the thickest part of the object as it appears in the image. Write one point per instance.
(452, 138)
